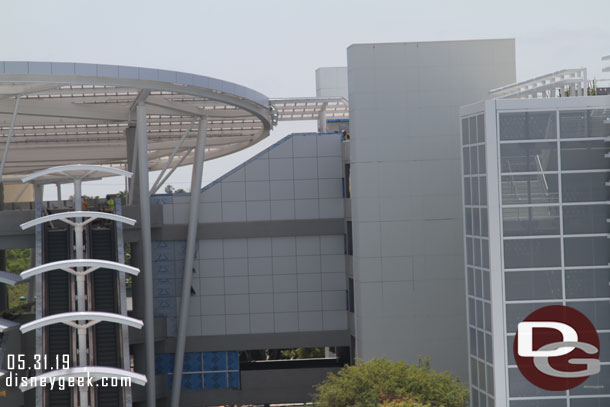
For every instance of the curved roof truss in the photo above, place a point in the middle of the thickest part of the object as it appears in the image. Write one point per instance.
(65, 216)
(70, 266)
(71, 318)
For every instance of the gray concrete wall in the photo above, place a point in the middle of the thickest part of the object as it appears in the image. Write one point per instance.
(331, 81)
(406, 192)
(271, 257)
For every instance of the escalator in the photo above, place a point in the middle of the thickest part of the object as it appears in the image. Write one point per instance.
(104, 289)
(58, 294)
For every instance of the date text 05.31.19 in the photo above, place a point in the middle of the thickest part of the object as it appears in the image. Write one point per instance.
(37, 362)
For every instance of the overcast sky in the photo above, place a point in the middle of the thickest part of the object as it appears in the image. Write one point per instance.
(274, 46)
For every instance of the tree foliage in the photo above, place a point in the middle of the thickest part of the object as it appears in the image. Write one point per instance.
(303, 353)
(403, 402)
(381, 382)
(17, 260)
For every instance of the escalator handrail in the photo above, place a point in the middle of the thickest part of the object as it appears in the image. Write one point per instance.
(91, 215)
(70, 318)
(91, 264)
(96, 372)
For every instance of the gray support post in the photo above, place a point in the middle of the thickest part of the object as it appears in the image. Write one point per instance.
(132, 166)
(38, 191)
(3, 288)
(146, 245)
(79, 245)
(120, 245)
(187, 277)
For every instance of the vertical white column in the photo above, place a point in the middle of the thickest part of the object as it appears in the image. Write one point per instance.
(38, 190)
(187, 277)
(496, 267)
(146, 244)
(80, 290)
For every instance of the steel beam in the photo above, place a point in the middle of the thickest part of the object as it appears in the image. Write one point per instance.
(187, 277)
(146, 244)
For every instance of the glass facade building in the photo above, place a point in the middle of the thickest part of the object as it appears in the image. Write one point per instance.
(536, 208)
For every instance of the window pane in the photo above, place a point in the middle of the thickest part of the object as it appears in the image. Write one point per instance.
(480, 322)
(474, 185)
(587, 251)
(540, 403)
(530, 221)
(588, 283)
(476, 222)
(596, 384)
(467, 200)
(468, 220)
(528, 126)
(472, 312)
(483, 190)
(482, 380)
(490, 377)
(588, 402)
(489, 350)
(583, 219)
(473, 129)
(584, 155)
(470, 277)
(481, 346)
(510, 342)
(477, 252)
(473, 342)
(481, 128)
(469, 251)
(516, 313)
(486, 286)
(573, 124)
(585, 187)
(582, 124)
(528, 157)
(527, 189)
(485, 254)
(478, 284)
(466, 159)
(520, 387)
(474, 161)
(465, 132)
(484, 223)
(487, 325)
(533, 285)
(528, 253)
(598, 312)
(481, 159)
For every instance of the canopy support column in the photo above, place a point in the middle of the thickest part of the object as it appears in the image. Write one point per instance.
(191, 241)
(146, 244)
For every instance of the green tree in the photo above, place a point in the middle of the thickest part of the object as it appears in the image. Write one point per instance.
(303, 353)
(380, 381)
(17, 260)
(403, 402)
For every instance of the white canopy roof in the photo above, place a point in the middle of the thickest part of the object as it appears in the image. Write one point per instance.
(69, 113)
